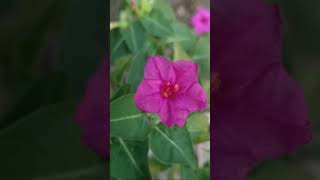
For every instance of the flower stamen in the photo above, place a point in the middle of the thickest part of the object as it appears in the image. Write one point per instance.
(204, 20)
(168, 90)
(176, 88)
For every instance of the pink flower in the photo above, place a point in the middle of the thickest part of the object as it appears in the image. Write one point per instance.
(201, 21)
(259, 112)
(170, 89)
(92, 113)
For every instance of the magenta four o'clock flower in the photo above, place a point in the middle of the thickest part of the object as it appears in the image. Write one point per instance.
(201, 21)
(170, 89)
(259, 111)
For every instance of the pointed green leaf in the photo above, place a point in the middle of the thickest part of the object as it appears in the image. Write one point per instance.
(134, 36)
(126, 121)
(136, 70)
(164, 6)
(172, 145)
(118, 69)
(118, 46)
(183, 35)
(129, 159)
(123, 90)
(157, 25)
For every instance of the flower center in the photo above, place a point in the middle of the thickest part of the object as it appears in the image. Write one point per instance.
(216, 80)
(169, 90)
(203, 19)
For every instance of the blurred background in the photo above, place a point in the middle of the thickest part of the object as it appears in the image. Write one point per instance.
(301, 21)
(48, 49)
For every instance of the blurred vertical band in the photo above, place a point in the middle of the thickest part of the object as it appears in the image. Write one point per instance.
(49, 49)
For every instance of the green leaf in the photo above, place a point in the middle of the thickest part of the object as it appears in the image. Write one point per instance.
(156, 166)
(126, 121)
(196, 174)
(201, 56)
(204, 173)
(47, 145)
(118, 47)
(180, 53)
(183, 35)
(136, 71)
(164, 6)
(202, 49)
(157, 25)
(188, 173)
(198, 127)
(129, 160)
(123, 90)
(118, 69)
(134, 37)
(172, 145)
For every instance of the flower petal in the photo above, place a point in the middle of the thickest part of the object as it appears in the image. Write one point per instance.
(269, 121)
(197, 21)
(147, 97)
(186, 73)
(193, 99)
(159, 68)
(170, 114)
(91, 114)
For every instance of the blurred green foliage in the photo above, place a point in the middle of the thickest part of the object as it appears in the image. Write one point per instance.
(48, 50)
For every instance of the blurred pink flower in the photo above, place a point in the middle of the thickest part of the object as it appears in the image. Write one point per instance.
(92, 114)
(259, 112)
(170, 89)
(201, 21)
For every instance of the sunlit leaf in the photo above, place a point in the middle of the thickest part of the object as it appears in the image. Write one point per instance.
(198, 127)
(180, 53)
